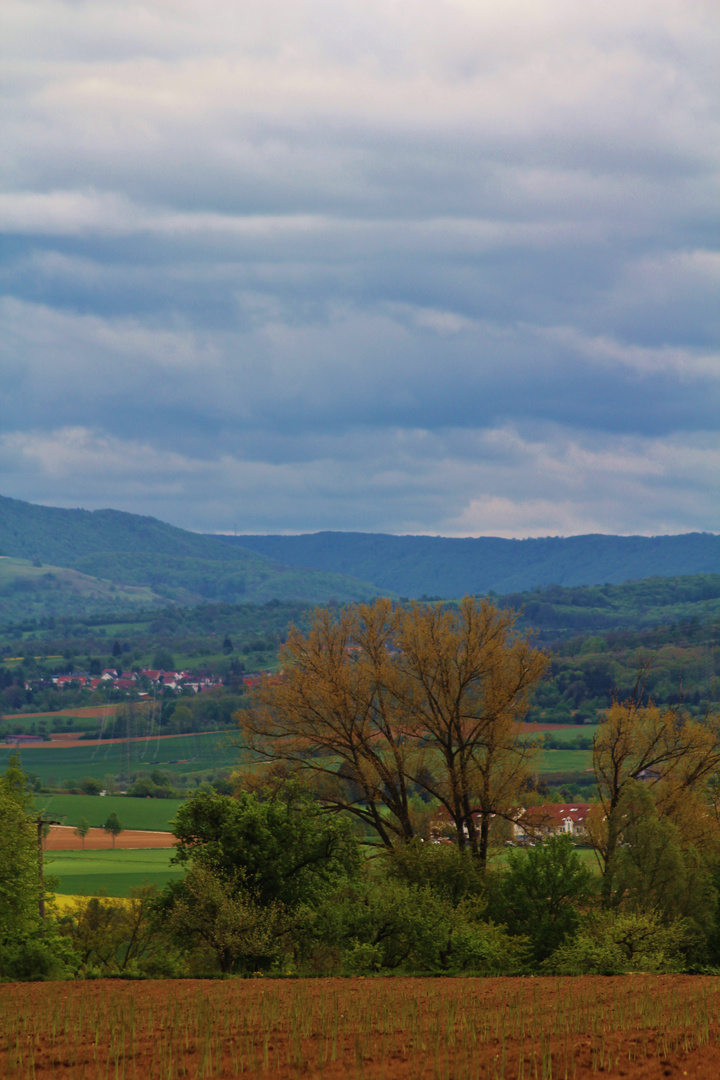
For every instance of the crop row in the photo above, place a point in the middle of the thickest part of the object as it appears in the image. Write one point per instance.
(424, 1029)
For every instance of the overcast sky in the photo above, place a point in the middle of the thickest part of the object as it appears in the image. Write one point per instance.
(428, 266)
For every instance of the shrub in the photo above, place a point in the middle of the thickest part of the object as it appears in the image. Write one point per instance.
(613, 943)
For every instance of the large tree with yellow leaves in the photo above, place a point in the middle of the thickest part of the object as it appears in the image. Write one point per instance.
(380, 701)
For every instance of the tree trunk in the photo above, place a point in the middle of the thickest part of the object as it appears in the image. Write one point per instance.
(613, 838)
(484, 846)
(41, 871)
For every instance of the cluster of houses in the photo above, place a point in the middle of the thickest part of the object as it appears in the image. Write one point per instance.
(146, 680)
(551, 819)
(134, 680)
(532, 823)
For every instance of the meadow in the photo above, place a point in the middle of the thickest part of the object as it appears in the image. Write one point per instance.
(564, 761)
(216, 750)
(109, 873)
(566, 733)
(80, 718)
(153, 814)
(184, 754)
(395, 1029)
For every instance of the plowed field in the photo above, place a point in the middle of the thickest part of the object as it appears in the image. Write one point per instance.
(64, 838)
(396, 1029)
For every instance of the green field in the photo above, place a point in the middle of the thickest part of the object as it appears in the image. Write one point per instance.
(30, 722)
(29, 590)
(188, 754)
(154, 814)
(564, 761)
(115, 873)
(568, 733)
(90, 873)
(499, 858)
(185, 754)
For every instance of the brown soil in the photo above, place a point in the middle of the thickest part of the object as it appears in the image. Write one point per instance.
(396, 1029)
(81, 710)
(63, 838)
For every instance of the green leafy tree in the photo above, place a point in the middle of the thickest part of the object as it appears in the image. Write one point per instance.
(113, 826)
(286, 849)
(89, 786)
(114, 936)
(542, 894)
(163, 660)
(253, 867)
(221, 916)
(95, 927)
(443, 868)
(30, 947)
(655, 871)
(19, 881)
(391, 925)
(613, 942)
(82, 829)
(162, 779)
(158, 785)
(181, 722)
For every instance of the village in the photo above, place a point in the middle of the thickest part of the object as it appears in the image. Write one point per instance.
(142, 682)
(64, 697)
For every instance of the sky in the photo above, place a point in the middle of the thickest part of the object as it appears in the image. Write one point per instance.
(413, 266)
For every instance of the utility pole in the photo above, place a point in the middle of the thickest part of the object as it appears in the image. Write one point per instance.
(40, 823)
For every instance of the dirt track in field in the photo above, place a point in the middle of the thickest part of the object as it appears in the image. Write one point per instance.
(640, 1027)
(64, 838)
(71, 740)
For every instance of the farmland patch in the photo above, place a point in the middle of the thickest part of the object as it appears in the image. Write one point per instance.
(186, 753)
(113, 873)
(146, 814)
(64, 838)
(642, 1026)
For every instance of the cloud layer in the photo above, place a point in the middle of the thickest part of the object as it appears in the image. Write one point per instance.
(396, 266)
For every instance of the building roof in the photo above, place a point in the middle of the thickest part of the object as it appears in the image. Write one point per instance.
(554, 815)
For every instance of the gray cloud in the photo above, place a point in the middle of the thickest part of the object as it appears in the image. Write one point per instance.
(499, 482)
(414, 267)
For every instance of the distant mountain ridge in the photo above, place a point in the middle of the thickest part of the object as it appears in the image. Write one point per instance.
(414, 566)
(181, 567)
(61, 536)
(133, 550)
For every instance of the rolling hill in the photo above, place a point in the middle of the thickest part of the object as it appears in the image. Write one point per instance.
(57, 561)
(414, 566)
(122, 559)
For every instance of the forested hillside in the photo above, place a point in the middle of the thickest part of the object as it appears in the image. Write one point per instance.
(61, 536)
(121, 561)
(557, 612)
(439, 566)
(140, 561)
